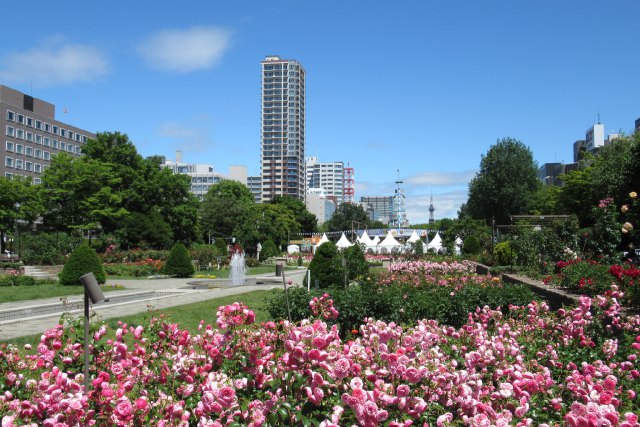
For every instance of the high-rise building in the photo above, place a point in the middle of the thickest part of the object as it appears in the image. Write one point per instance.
(378, 208)
(329, 176)
(255, 186)
(33, 135)
(637, 124)
(283, 128)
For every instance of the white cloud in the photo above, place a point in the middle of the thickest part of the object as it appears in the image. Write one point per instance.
(183, 51)
(55, 63)
(185, 138)
(441, 178)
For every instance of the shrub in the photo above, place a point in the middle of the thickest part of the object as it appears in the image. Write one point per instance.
(326, 266)
(178, 262)
(299, 260)
(503, 253)
(251, 262)
(356, 262)
(15, 280)
(586, 277)
(222, 247)
(47, 248)
(205, 254)
(82, 261)
(269, 249)
(471, 245)
(146, 230)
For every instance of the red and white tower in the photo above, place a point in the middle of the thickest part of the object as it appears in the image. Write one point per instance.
(349, 185)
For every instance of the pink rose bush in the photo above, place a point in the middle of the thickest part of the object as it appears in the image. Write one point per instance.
(576, 367)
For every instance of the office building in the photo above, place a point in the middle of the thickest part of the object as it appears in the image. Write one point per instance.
(33, 135)
(319, 204)
(255, 186)
(637, 124)
(378, 208)
(203, 176)
(328, 176)
(283, 129)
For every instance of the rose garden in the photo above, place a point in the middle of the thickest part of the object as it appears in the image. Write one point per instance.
(423, 341)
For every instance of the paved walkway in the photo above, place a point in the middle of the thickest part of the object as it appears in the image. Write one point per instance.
(170, 292)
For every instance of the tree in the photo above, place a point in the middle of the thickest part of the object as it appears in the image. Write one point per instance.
(348, 216)
(266, 222)
(82, 261)
(179, 262)
(225, 205)
(145, 230)
(576, 196)
(357, 265)
(308, 221)
(506, 182)
(326, 266)
(19, 200)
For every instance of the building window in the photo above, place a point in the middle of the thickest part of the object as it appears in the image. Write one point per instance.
(38, 125)
(8, 162)
(54, 143)
(28, 166)
(8, 175)
(55, 129)
(78, 151)
(11, 116)
(11, 131)
(84, 139)
(63, 146)
(39, 139)
(47, 141)
(29, 122)
(19, 163)
(38, 153)
(47, 127)
(78, 137)
(28, 151)
(19, 134)
(29, 136)
(9, 146)
(63, 133)
(37, 181)
(70, 148)
(19, 149)
(20, 118)
(47, 155)
(70, 134)
(38, 168)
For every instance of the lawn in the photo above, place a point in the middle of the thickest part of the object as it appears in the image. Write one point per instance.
(45, 290)
(187, 316)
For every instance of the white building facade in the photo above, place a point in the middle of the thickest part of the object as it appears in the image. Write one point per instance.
(326, 175)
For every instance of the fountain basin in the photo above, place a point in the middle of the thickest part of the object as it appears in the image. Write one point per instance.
(228, 283)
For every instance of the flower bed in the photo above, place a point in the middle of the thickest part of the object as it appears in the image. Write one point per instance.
(574, 367)
(142, 268)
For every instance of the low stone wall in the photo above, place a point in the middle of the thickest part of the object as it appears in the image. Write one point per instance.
(554, 296)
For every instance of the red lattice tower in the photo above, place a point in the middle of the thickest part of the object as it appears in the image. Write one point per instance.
(349, 185)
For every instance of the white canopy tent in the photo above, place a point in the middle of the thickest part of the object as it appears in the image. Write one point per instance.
(413, 238)
(343, 242)
(436, 243)
(293, 249)
(389, 244)
(323, 239)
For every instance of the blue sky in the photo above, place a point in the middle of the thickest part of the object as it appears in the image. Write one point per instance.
(425, 87)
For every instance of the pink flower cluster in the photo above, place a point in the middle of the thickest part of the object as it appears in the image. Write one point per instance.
(322, 308)
(233, 315)
(531, 367)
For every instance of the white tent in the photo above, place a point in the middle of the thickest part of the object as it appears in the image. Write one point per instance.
(413, 238)
(375, 241)
(293, 249)
(365, 239)
(436, 243)
(343, 242)
(323, 239)
(389, 244)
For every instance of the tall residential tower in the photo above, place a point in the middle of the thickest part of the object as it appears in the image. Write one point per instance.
(282, 129)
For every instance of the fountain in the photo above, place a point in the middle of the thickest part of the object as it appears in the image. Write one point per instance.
(238, 269)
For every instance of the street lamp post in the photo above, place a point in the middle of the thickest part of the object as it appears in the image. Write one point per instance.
(17, 206)
(92, 292)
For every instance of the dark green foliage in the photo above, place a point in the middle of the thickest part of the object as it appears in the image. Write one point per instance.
(148, 231)
(471, 245)
(401, 303)
(300, 260)
(269, 250)
(251, 262)
(326, 266)
(505, 184)
(307, 221)
(48, 248)
(586, 277)
(357, 265)
(82, 261)
(222, 246)
(179, 262)
(349, 216)
(205, 254)
(11, 280)
(419, 248)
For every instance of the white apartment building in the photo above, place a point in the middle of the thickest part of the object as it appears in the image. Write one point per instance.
(326, 175)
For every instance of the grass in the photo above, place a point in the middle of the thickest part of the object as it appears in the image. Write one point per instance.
(45, 290)
(187, 316)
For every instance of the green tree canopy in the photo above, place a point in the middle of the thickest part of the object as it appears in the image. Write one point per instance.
(226, 204)
(308, 221)
(19, 200)
(506, 181)
(266, 222)
(348, 216)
